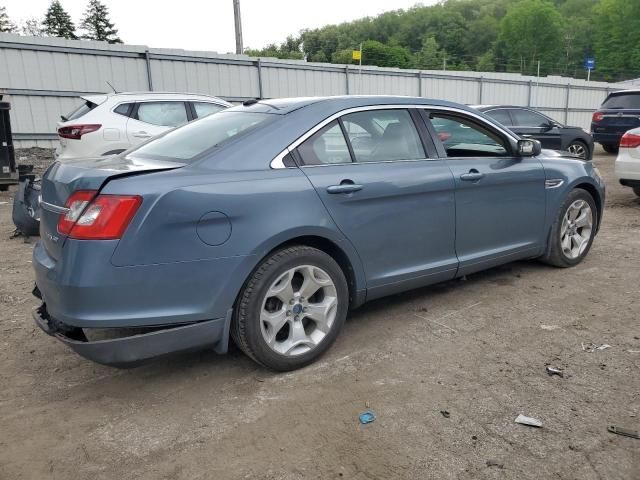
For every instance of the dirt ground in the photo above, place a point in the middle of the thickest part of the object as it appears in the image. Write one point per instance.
(476, 349)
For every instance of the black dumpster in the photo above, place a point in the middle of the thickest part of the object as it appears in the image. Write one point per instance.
(8, 170)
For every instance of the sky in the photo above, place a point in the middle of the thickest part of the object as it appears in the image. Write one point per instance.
(208, 24)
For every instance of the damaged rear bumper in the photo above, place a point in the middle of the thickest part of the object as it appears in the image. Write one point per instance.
(132, 350)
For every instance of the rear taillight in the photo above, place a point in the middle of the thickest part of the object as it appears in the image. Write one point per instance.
(75, 132)
(101, 217)
(597, 117)
(630, 140)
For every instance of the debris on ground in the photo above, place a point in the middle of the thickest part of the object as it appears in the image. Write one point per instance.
(367, 417)
(591, 347)
(624, 432)
(494, 463)
(550, 327)
(530, 421)
(554, 371)
(445, 413)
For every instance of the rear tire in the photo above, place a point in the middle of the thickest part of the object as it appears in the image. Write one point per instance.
(573, 231)
(610, 147)
(291, 308)
(636, 190)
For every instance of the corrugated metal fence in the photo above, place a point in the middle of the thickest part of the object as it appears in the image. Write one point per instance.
(42, 78)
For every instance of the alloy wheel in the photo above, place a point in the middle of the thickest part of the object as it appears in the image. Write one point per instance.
(576, 230)
(578, 149)
(298, 310)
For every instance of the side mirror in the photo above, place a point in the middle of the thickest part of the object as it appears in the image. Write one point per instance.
(529, 148)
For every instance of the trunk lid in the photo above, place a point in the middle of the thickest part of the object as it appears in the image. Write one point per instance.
(62, 179)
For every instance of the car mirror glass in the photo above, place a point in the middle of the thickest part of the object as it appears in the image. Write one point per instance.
(529, 148)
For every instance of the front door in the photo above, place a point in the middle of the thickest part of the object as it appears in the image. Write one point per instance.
(149, 119)
(500, 197)
(530, 124)
(394, 203)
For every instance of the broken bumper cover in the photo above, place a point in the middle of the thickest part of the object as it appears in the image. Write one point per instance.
(133, 350)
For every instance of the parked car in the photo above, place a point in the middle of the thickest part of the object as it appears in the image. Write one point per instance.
(619, 113)
(627, 166)
(110, 124)
(270, 220)
(529, 123)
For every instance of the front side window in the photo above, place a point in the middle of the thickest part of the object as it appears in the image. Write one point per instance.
(462, 137)
(527, 118)
(203, 108)
(325, 147)
(383, 135)
(188, 142)
(164, 114)
(500, 116)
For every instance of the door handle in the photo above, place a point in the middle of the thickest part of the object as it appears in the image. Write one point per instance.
(141, 134)
(473, 176)
(346, 186)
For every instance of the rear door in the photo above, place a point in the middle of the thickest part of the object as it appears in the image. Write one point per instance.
(149, 119)
(388, 194)
(500, 197)
(528, 123)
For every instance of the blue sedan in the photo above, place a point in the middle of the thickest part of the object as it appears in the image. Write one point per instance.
(269, 221)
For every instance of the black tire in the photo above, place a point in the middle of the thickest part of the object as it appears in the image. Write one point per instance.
(4, 188)
(610, 147)
(555, 255)
(583, 146)
(245, 326)
(636, 190)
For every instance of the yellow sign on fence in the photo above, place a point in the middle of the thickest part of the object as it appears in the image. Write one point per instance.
(356, 55)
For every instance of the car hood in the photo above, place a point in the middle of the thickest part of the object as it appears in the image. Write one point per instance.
(547, 153)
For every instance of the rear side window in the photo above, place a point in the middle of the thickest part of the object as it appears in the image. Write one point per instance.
(622, 100)
(80, 111)
(500, 116)
(123, 109)
(164, 114)
(203, 108)
(186, 143)
(325, 147)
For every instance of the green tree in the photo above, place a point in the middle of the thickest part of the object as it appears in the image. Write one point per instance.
(429, 57)
(486, 62)
(6, 25)
(531, 31)
(31, 27)
(97, 25)
(616, 39)
(57, 22)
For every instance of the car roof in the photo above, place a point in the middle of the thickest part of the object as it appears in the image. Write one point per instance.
(482, 108)
(134, 96)
(282, 106)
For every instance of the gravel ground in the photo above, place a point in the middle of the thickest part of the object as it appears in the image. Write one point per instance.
(476, 349)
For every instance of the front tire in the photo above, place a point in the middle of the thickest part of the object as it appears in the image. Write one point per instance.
(291, 309)
(610, 147)
(573, 231)
(636, 190)
(579, 148)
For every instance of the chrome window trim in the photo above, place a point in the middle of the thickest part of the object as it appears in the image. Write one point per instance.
(278, 162)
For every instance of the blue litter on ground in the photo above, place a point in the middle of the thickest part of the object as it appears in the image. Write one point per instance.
(367, 417)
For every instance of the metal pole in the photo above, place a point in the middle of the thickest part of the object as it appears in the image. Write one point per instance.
(238, 24)
(419, 84)
(538, 86)
(566, 104)
(588, 74)
(148, 62)
(529, 95)
(260, 93)
(480, 83)
(346, 76)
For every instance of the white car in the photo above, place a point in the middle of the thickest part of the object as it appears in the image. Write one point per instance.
(111, 123)
(628, 161)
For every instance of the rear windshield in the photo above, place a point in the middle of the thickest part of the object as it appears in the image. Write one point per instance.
(83, 109)
(186, 143)
(623, 100)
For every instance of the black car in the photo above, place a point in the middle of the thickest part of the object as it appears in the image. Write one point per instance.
(618, 113)
(527, 122)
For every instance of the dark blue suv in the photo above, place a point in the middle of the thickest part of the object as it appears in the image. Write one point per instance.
(619, 113)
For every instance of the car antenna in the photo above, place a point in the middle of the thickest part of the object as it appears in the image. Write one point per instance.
(112, 87)
(253, 101)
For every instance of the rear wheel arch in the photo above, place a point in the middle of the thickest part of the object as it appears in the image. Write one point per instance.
(334, 251)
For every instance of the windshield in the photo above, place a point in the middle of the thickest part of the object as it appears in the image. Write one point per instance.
(186, 143)
(622, 100)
